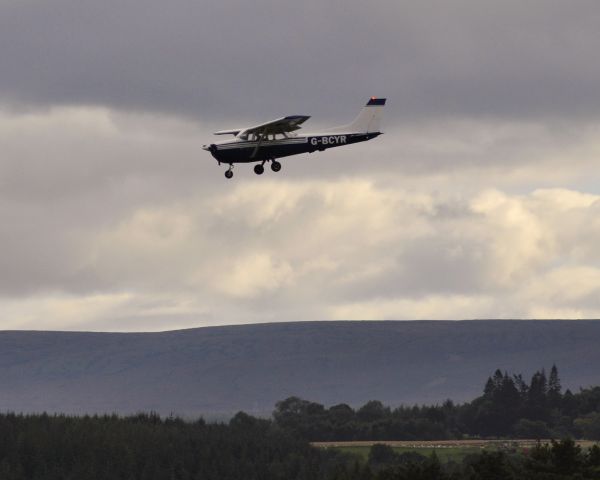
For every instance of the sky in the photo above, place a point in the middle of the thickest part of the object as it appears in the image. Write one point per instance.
(481, 200)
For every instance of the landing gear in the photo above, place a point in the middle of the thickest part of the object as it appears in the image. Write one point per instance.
(259, 169)
(229, 173)
(275, 166)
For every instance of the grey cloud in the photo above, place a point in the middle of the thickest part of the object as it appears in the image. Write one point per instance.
(232, 58)
(66, 176)
(122, 200)
(449, 260)
(302, 250)
(434, 266)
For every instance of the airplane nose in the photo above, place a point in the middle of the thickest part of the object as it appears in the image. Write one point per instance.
(212, 148)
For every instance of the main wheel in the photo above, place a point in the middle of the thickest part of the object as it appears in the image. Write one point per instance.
(275, 166)
(259, 169)
(228, 174)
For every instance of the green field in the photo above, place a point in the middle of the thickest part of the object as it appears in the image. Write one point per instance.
(446, 450)
(444, 454)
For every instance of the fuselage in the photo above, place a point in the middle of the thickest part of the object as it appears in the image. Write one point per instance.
(239, 150)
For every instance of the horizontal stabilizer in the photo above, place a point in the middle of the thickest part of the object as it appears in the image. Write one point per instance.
(376, 101)
(228, 132)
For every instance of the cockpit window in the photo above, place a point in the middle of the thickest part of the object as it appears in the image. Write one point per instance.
(255, 137)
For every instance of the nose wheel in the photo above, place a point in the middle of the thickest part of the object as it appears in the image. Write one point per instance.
(229, 173)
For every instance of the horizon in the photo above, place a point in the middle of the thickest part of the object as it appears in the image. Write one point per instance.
(290, 322)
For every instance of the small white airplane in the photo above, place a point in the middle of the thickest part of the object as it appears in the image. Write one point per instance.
(277, 138)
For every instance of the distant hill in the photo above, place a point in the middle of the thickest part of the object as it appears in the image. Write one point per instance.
(220, 370)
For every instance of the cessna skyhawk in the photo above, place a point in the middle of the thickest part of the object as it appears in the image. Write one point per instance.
(277, 138)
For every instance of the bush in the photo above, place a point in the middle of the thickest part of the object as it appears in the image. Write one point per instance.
(589, 426)
(535, 429)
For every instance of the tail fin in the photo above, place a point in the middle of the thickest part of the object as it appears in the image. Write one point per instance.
(369, 118)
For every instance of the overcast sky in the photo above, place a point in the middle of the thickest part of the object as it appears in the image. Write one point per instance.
(482, 199)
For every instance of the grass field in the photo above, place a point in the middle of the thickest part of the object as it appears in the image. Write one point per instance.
(444, 454)
(446, 450)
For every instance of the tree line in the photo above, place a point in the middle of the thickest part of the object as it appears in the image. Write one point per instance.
(508, 407)
(148, 447)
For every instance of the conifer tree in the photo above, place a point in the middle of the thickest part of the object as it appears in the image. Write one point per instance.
(554, 388)
(537, 403)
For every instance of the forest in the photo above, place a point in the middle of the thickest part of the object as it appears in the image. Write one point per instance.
(147, 446)
(508, 407)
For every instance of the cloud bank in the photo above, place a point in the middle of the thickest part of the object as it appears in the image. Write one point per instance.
(480, 201)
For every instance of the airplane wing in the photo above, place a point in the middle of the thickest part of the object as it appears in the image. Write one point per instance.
(281, 125)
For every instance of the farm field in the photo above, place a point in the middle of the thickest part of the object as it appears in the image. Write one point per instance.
(446, 450)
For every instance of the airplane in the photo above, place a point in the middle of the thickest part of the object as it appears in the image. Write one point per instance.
(278, 138)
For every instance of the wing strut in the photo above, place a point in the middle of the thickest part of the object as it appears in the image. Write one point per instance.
(260, 141)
